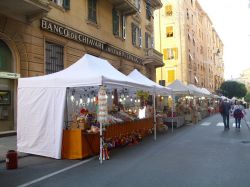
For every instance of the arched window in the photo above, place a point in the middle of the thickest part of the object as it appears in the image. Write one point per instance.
(6, 64)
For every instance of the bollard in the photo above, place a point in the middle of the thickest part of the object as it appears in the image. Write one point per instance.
(11, 159)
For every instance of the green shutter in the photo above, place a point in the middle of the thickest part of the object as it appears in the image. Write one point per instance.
(92, 10)
(133, 34)
(66, 4)
(146, 40)
(148, 9)
(115, 22)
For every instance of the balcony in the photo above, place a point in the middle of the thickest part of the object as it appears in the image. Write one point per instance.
(156, 4)
(126, 7)
(149, 25)
(24, 10)
(153, 57)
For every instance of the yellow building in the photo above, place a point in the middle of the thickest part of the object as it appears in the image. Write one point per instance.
(40, 37)
(192, 50)
(245, 78)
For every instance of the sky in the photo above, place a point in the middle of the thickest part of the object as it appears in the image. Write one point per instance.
(231, 20)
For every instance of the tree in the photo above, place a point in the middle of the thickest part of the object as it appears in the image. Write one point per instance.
(233, 89)
(247, 97)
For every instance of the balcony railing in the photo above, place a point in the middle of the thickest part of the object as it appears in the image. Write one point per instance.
(153, 57)
(24, 10)
(126, 7)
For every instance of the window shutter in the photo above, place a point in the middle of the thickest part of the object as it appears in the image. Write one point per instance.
(148, 9)
(175, 53)
(169, 31)
(171, 75)
(168, 10)
(146, 40)
(140, 38)
(133, 34)
(94, 10)
(165, 54)
(66, 4)
(115, 22)
(124, 27)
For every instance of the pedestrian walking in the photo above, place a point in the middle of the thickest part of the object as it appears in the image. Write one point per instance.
(224, 109)
(238, 113)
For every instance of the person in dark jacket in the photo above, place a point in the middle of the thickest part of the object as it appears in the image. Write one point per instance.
(225, 107)
(238, 113)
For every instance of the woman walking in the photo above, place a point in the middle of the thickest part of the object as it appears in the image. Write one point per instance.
(238, 113)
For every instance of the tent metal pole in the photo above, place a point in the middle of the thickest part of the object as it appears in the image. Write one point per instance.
(67, 110)
(154, 117)
(101, 146)
(173, 100)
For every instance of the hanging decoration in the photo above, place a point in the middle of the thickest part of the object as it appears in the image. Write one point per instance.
(102, 106)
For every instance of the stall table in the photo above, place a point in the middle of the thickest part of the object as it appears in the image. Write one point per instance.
(78, 144)
(178, 121)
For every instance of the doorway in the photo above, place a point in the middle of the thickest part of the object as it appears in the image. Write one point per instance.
(6, 89)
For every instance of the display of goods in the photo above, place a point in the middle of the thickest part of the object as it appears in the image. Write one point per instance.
(84, 111)
(170, 114)
(112, 119)
(83, 126)
(93, 129)
(124, 116)
(73, 125)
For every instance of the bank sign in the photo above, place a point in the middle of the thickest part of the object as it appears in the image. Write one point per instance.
(87, 40)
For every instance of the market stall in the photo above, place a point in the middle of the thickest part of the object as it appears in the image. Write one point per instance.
(182, 113)
(158, 89)
(42, 116)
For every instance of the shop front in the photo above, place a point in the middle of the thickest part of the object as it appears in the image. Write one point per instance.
(7, 88)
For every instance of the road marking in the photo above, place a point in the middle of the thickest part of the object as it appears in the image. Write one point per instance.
(220, 124)
(57, 172)
(206, 123)
(233, 125)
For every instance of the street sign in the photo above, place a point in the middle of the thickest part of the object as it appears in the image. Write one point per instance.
(7, 75)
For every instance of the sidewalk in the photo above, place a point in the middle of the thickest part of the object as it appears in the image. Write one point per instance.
(8, 143)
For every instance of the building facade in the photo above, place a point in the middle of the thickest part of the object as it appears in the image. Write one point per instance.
(192, 50)
(45, 36)
(245, 78)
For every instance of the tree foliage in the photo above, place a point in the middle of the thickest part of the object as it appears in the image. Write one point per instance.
(233, 89)
(247, 97)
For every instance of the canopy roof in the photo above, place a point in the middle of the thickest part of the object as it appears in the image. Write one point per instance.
(87, 71)
(206, 91)
(179, 88)
(196, 91)
(136, 75)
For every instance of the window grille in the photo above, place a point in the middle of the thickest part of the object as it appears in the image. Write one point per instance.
(54, 58)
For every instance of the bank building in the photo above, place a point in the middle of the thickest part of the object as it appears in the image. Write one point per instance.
(40, 37)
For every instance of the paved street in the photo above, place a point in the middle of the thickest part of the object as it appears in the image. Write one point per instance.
(195, 155)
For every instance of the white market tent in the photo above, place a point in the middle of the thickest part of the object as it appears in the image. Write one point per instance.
(206, 92)
(195, 90)
(136, 75)
(158, 89)
(179, 88)
(41, 102)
